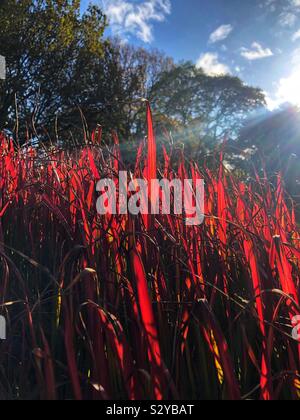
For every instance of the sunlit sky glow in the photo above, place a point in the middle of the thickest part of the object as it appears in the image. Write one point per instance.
(258, 40)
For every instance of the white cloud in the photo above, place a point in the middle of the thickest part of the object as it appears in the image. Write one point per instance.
(287, 11)
(129, 18)
(289, 88)
(295, 59)
(256, 52)
(287, 19)
(210, 63)
(270, 4)
(274, 5)
(272, 103)
(296, 35)
(287, 91)
(220, 34)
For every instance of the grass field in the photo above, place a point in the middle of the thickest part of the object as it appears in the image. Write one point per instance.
(135, 307)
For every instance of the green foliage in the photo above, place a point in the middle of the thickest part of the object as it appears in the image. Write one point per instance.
(114, 85)
(43, 42)
(63, 72)
(206, 107)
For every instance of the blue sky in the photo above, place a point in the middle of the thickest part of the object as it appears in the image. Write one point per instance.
(258, 40)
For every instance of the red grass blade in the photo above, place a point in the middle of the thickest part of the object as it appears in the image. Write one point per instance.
(149, 323)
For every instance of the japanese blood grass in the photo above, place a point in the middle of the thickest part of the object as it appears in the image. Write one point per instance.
(127, 307)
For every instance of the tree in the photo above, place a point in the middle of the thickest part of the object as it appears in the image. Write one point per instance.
(274, 139)
(204, 106)
(60, 68)
(44, 42)
(114, 84)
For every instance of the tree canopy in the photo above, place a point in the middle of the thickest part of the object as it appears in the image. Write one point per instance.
(213, 105)
(62, 69)
(44, 43)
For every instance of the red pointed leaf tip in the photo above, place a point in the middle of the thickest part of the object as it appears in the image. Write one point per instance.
(151, 160)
